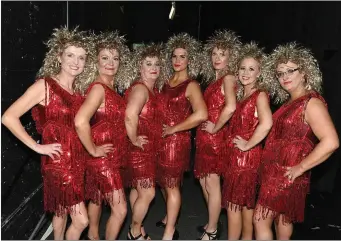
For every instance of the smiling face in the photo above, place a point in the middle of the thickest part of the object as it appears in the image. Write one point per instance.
(108, 62)
(180, 59)
(150, 68)
(289, 76)
(72, 60)
(220, 58)
(249, 71)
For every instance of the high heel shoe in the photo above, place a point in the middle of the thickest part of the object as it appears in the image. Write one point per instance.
(132, 236)
(201, 228)
(211, 236)
(160, 224)
(175, 235)
(146, 236)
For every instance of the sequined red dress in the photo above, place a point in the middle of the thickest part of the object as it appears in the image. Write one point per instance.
(290, 140)
(141, 164)
(241, 167)
(174, 150)
(208, 146)
(103, 174)
(63, 178)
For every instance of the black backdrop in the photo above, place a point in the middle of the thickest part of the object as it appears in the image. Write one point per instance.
(25, 25)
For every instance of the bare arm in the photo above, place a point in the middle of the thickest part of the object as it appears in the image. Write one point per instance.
(319, 120)
(230, 103)
(193, 93)
(138, 97)
(82, 120)
(263, 127)
(11, 119)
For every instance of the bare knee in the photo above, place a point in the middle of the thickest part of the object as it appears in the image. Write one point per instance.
(212, 183)
(148, 194)
(120, 210)
(80, 221)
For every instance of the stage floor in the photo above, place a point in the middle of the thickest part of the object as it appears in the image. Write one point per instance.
(322, 219)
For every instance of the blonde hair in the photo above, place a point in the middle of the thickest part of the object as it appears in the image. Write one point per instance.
(193, 48)
(141, 53)
(252, 50)
(303, 58)
(109, 40)
(61, 39)
(225, 40)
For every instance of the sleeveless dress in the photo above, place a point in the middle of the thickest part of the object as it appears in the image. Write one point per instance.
(103, 174)
(290, 140)
(63, 178)
(174, 150)
(208, 146)
(241, 167)
(141, 164)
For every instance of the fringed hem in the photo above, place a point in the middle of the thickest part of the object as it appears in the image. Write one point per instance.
(239, 188)
(169, 182)
(201, 175)
(234, 206)
(142, 182)
(263, 212)
(98, 188)
(62, 191)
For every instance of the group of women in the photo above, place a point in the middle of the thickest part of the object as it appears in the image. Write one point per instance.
(96, 142)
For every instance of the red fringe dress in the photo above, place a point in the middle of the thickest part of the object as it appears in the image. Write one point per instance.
(241, 167)
(63, 178)
(289, 142)
(174, 150)
(103, 174)
(208, 146)
(141, 164)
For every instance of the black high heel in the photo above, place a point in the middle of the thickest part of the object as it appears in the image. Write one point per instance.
(175, 235)
(201, 228)
(160, 224)
(211, 236)
(146, 236)
(132, 236)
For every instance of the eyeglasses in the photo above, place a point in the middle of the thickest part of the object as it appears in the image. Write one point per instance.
(288, 73)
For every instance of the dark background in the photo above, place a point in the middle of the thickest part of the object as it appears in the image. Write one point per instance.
(25, 25)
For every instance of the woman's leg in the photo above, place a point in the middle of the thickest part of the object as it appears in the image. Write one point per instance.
(79, 222)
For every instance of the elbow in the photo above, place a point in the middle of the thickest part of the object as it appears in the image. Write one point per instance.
(5, 119)
(335, 144)
(268, 125)
(230, 109)
(79, 122)
(203, 116)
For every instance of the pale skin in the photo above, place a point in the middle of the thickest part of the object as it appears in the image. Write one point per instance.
(211, 183)
(140, 198)
(108, 63)
(240, 221)
(199, 115)
(317, 117)
(72, 61)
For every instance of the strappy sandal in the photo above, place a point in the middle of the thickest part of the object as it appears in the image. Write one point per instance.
(211, 236)
(132, 236)
(146, 236)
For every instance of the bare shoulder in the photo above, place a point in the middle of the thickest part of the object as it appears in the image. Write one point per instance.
(193, 85)
(230, 78)
(139, 89)
(315, 106)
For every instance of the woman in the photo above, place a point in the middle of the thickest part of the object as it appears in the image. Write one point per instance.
(220, 56)
(104, 139)
(249, 125)
(143, 127)
(55, 102)
(303, 136)
(183, 109)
